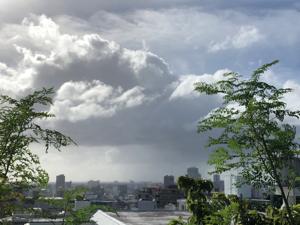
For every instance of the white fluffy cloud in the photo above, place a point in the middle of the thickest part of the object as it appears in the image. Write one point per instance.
(115, 77)
(15, 81)
(292, 98)
(186, 84)
(246, 36)
(82, 100)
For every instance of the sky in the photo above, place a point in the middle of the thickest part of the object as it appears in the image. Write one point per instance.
(124, 74)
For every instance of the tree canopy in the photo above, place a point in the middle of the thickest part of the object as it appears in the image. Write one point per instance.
(255, 138)
(19, 128)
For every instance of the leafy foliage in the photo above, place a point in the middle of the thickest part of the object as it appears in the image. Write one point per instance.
(196, 192)
(19, 128)
(217, 209)
(210, 208)
(254, 136)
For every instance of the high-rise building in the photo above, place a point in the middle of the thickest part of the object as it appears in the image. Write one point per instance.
(60, 185)
(218, 183)
(193, 172)
(216, 178)
(244, 190)
(168, 181)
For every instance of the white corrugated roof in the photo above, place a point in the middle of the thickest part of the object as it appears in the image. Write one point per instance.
(101, 218)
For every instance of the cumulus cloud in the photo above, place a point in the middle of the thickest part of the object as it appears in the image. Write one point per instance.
(82, 100)
(15, 81)
(241, 38)
(246, 36)
(50, 57)
(292, 98)
(186, 84)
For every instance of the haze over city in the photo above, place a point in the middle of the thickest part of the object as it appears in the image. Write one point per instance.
(123, 72)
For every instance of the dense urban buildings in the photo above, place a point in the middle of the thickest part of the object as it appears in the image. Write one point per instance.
(134, 198)
(122, 190)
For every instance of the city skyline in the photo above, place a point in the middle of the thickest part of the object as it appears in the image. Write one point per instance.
(161, 179)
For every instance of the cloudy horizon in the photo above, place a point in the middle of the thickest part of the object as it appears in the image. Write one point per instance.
(124, 73)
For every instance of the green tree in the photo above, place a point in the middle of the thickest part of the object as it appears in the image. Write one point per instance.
(254, 136)
(19, 128)
(211, 208)
(196, 192)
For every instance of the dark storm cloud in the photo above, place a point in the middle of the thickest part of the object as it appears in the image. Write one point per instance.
(15, 10)
(108, 95)
(159, 122)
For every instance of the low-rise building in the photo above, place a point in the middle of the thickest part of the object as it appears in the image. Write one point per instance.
(80, 204)
(181, 205)
(168, 195)
(146, 205)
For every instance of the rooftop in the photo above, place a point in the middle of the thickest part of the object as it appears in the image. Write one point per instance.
(138, 218)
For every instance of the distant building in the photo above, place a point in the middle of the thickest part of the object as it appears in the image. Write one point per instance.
(244, 191)
(168, 181)
(294, 193)
(218, 183)
(122, 189)
(95, 188)
(93, 183)
(147, 193)
(146, 205)
(90, 196)
(60, 185)
(115, 190)
(167, 196)
(162, 196)
(146, 199)
(80, 204)
(181, 205)
(68, 185)
(193, 172)
(132, 186)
